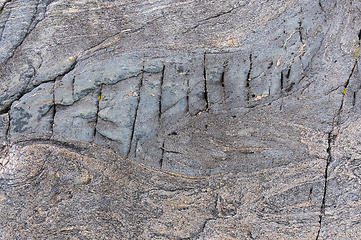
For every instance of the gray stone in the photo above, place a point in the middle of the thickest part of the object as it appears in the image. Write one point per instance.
(90, 192)
(120, 69)
(342, 207)
(20, 82)
(77, 122)
(236, 142)
(4, 127)
(85, 82)
(54, 71)
(154, 66)
(16, 27)
(145, 146)
(215, 64)
(5, 13)
(183, 83)
(236, 79)
(63, 92)
(32, 116)
(110, 71)
(179, 119)
(117, 113)
(17, 76)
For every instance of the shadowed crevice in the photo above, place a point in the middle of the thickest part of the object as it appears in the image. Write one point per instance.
(332, 135)
(136, 114)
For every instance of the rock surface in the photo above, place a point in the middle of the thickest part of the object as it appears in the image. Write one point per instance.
(180, 119)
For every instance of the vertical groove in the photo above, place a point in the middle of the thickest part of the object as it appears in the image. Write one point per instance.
(187, 98)
(161, 95)
(331, 138)
(320, 4)
(310, 194)
(8, 128)
(249, 78)
(97, 114)
(54, 112)
(135, 149)
(222, 83)
(136, 113)
(281, 80)
(162, 158)
(72, 87)
(354, 99)
(160, 115)
(288, 73)
(205, 82)
(329, 159)
(225, 64)
(300, 31)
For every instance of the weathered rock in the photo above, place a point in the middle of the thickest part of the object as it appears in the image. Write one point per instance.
(17, 75)
(77, 122)
(179, 120)
(4, 127)
(342, 207)
(32, 116)
(119, 109)
(120, 106)
(89, 192)
(148, 121)
(16, 26)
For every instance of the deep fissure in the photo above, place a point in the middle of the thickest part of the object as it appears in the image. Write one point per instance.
(187, 97)
(54, 112)
(300, 31)
(161, 95)
(136, 114)
(222, 81)
(8, 128)
(249, 78)
(162, 157)
(320, 4)
(331, 138)
(98, 109)
(329, 159)
(205, 81)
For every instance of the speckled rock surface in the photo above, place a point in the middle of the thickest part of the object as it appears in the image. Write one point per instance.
(180, 119)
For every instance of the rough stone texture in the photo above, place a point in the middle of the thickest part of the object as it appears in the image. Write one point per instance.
(78, 122)
(342, 206)
(180, 119)
(32, 116)
(88, 192)
(4, 127)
